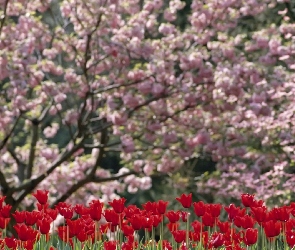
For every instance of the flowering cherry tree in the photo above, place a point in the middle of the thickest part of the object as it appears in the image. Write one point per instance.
(122, 76)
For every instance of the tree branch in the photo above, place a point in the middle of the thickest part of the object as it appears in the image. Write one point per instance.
(5, 140)
(4, 185)
(21, 166)
(29, 186)
(96, 179)
(86, 180)
(103, 142)
(3, 17)
(35, 130)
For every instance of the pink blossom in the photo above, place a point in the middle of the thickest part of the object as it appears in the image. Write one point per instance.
(50, 132)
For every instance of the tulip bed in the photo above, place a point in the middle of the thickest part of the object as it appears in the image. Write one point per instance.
(116, 226)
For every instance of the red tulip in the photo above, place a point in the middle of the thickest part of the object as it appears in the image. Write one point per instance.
(118, 205)
(151, 207)
(41, 196)
(111, 216)
(234, 211)
(179, 235)
(127, 230)
(272, 228)
(25, 232)
(131, 210)
(75, 226)
(185, 200)
(290, 238)
(2, 198)
(199, 208)
(224, 227)
(248, 199)
(214, 209)
(281, 213)
(172, 216)
(44, 225)
(109, 245)
(208, 220)
(217, 240)
(259, 213)
(11, 242)
(250, 236)
(5, 211)
(32, 217)
(162, 206)
(81, 209)
(197, 226)
(4, 222)
(136, 221)
(95, 210)
(19, 216)
(82, 236)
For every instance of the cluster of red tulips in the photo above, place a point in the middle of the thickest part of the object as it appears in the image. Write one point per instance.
(116, 226)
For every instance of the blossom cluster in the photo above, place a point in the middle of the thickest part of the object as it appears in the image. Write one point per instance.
(116, 226)
(122, 76)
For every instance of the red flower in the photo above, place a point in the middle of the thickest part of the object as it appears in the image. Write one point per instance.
(44, 224)
(179, 235)
(147, 222)
(199, 208)
(118, 205)
(81, 209)
(208, 220)
(136, 221)
(127, 230)
(109, 245)
(244, 221)
(25, 232)
(42, 207)
(259, 213)
(224, 227)
(11, 242)
(5, 211)
(95, 210)
(52, 213)
(32, 217)
(151, 207)
(217, 240)
(214, 209)
(184, 215)
(185, 200)
(75, 226)
(41, 196)
(234, 211)
(290, 238)
(2, 198)
(66, 212)
(247, 199)
(162, 206)
(29, 244)
(250, 236)
(272, 228)
(166, 245)
(172, 216)
(4, 222)
(131, 210)
(111, 216)
(281, 213)
(156, 220)
(82, 236)
(197, 226)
